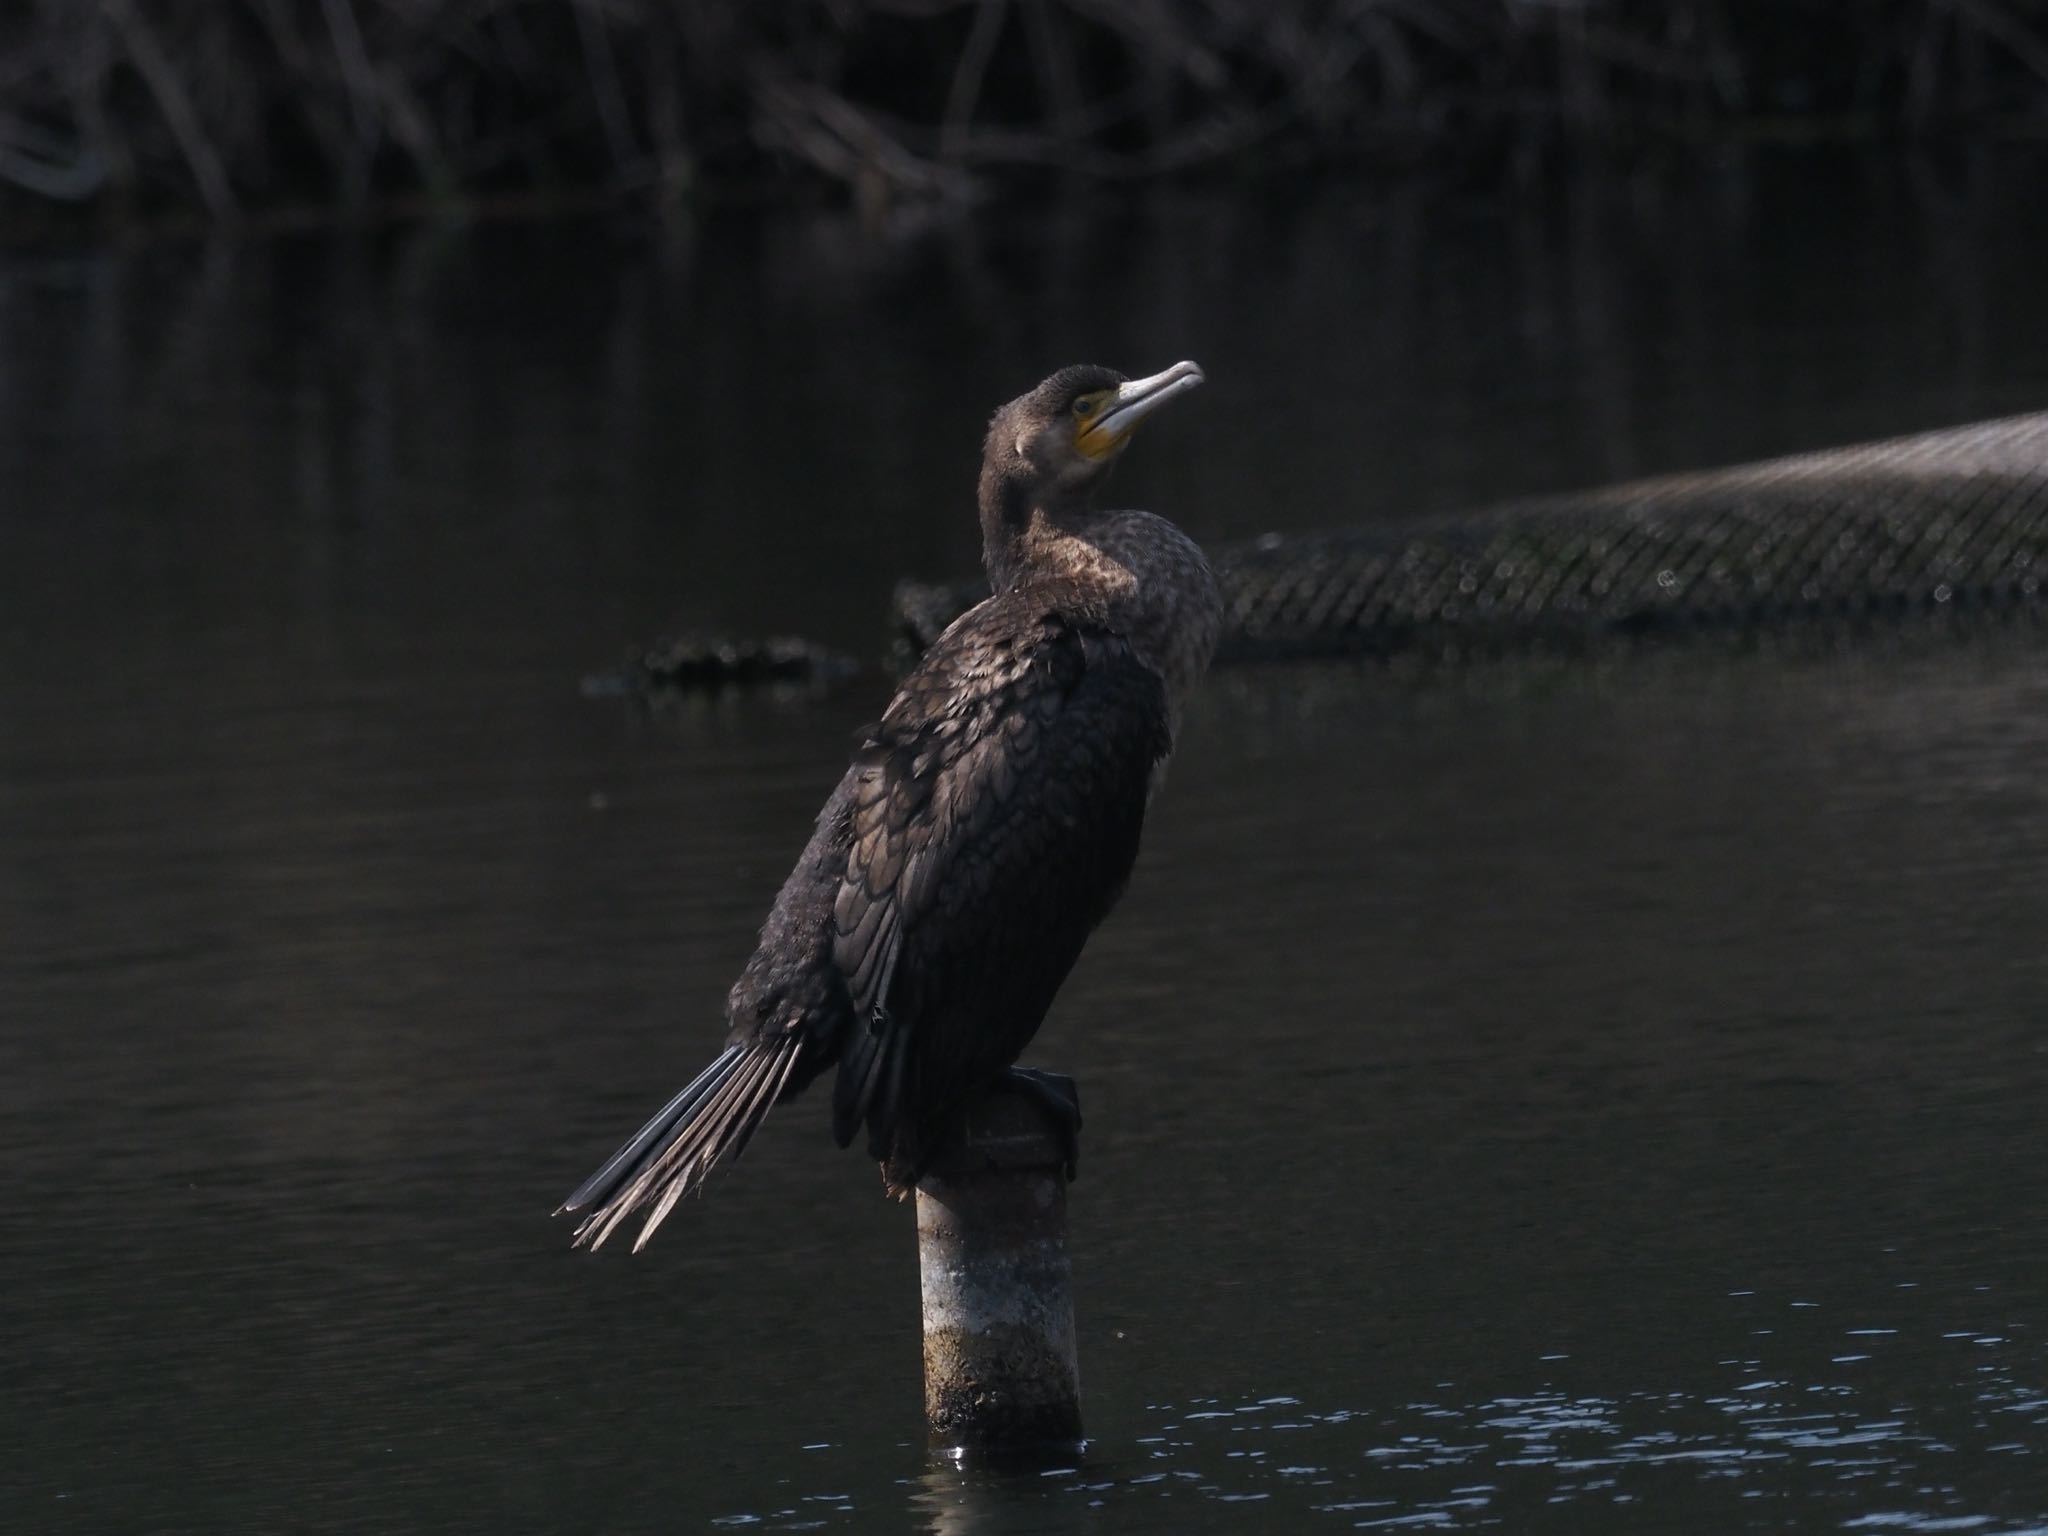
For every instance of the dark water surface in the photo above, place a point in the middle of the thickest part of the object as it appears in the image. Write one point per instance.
(1601, 1097)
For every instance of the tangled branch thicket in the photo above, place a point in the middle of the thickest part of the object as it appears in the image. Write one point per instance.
(125, 104)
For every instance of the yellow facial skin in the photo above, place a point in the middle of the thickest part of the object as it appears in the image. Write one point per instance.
(1093, 438)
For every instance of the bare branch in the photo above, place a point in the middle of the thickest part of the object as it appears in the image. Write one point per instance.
(157, 72)
(965, 93)
(2011, 34)
(603, 70)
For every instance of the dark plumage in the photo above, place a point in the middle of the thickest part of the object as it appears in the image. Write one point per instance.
(988, 823)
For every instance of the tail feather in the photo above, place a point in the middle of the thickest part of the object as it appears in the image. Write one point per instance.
(706, 1125)
(627, 1161)
(724, 1131)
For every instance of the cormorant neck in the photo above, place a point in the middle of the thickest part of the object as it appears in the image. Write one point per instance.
(1010, 500)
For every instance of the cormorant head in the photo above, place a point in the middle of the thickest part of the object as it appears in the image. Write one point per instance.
(1061, 439)
(1051, 448)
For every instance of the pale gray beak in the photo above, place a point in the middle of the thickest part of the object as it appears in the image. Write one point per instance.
(1136, 400)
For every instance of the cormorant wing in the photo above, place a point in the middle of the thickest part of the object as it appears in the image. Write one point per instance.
(995, 816)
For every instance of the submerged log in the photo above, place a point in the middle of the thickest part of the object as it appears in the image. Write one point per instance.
(1950, 525)
(700, 663)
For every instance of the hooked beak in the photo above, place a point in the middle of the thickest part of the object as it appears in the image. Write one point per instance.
(1135, 400)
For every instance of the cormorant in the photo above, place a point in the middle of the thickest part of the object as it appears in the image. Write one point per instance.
(988, 823)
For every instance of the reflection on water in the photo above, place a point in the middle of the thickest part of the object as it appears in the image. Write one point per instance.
(1792, 1435)
(1766, 1450)
(1553, 1097)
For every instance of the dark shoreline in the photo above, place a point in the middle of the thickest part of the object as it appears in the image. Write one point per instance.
(309, 111)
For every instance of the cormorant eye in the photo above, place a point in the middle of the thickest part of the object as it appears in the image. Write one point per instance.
(1085, 406)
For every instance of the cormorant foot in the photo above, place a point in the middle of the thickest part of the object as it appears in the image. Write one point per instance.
(899, 1181)
(1060, 1096)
